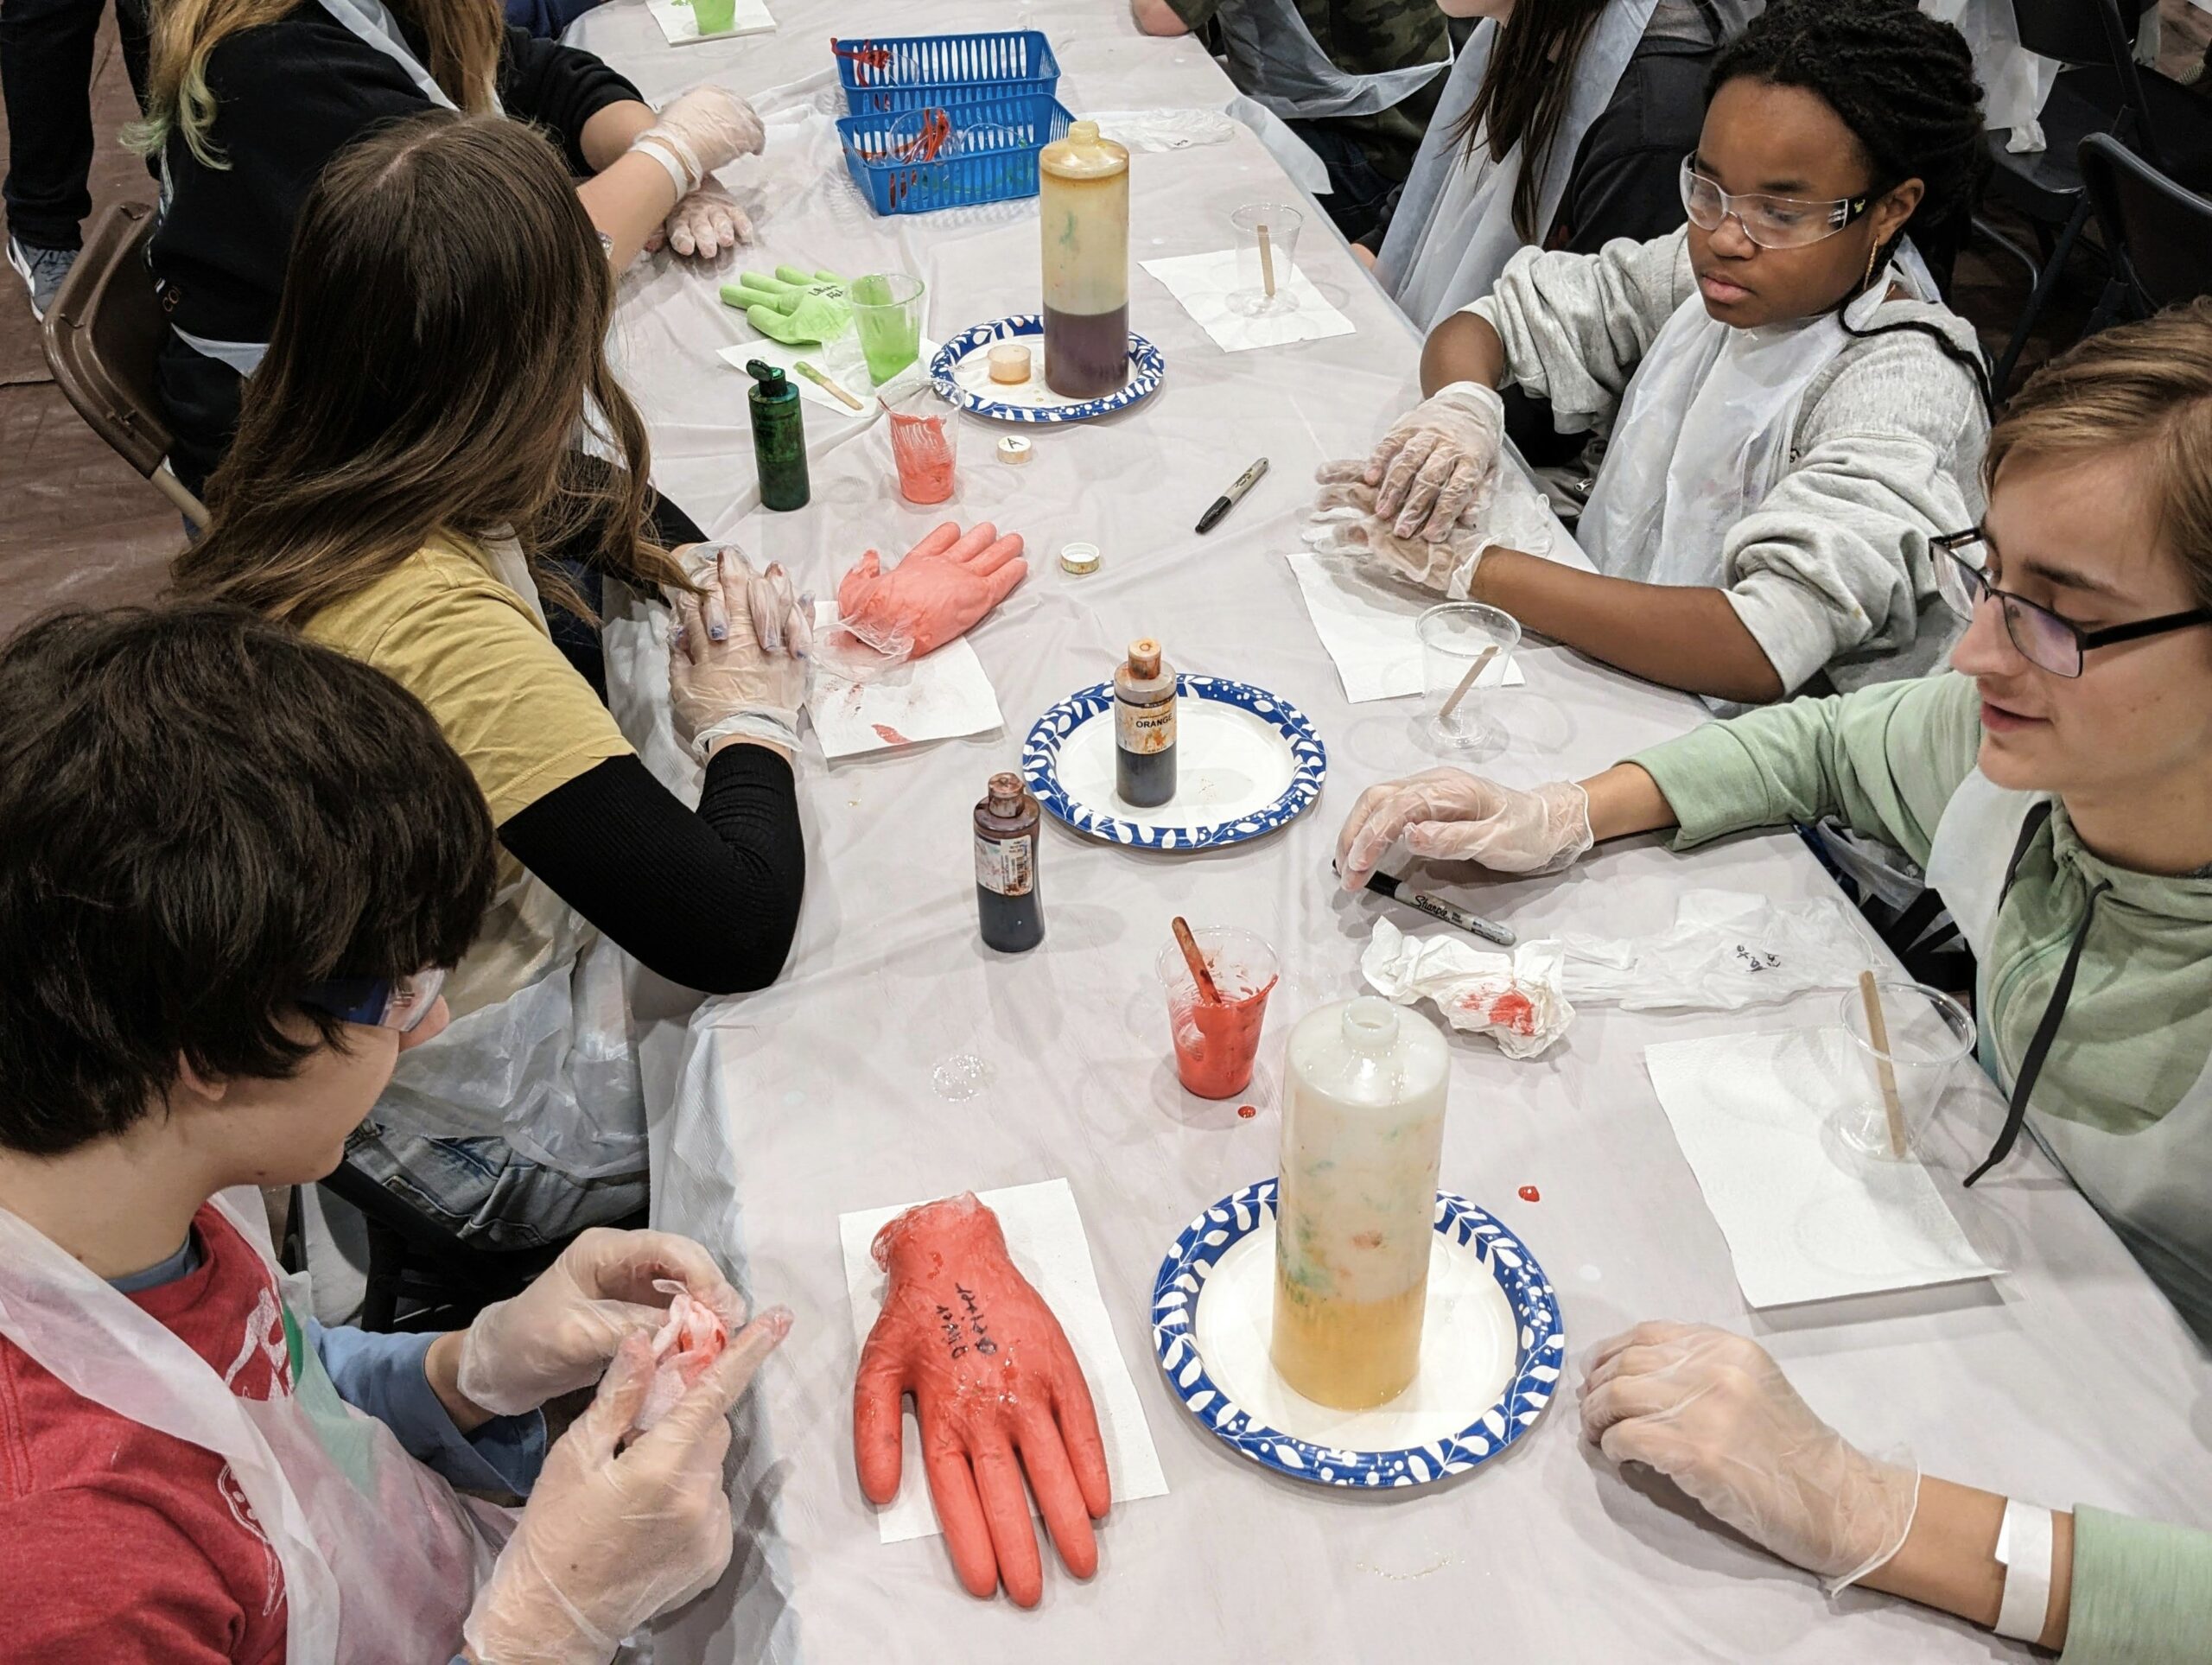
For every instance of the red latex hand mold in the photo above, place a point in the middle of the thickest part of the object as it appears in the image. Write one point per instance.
(997, 1391)
(940, 590)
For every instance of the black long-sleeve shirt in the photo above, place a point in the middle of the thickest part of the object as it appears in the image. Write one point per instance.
(288, 96)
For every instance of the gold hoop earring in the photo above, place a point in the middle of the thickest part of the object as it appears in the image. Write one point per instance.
(1869, 277)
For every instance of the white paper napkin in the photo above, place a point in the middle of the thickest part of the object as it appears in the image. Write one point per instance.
(1043, 1237)
(842, 361)
(1806, 1218)
(941, 696)
(682, 28)
(1369, 624)
(1203, 283)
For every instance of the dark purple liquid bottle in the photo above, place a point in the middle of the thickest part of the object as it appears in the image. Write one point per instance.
(1007, 903)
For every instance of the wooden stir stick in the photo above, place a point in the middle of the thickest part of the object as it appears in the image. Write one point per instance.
(1474, 670)
(1267, 263)
(1199, 974)
(1877, 1029)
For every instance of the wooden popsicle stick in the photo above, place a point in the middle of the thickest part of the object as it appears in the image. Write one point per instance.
(1199, 974)
(1267, 263)
(1877, 1029)
(1474, 670)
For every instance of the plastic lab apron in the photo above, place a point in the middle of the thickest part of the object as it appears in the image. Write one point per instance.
(381, 1559)
(1453, 232)
(547, 1065)
(2150, 1184)
(1704, 431)
(1274, 57)
(372, 23)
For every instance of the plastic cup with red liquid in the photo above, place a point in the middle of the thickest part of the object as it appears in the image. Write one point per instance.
(1217, 1042)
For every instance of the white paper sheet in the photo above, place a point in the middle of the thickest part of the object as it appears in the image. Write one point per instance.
(941, 696)
(682, 28)
(1044, 1237)
(1203, 283)
(1368, 623)
(842, 361)
(1806, 1218)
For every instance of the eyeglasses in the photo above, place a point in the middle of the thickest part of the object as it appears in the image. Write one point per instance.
(2043, 639)
(1772, 222)
(398, 1003)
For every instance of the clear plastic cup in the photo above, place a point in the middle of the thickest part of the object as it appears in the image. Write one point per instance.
(1216, 1046)
(1926, 1034)
(887, 314)
(1464, 645)
(925, 448)
(1266, 246)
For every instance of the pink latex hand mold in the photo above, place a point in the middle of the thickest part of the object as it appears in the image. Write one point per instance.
(997, 1391)
(941, 589)
(691, 1339)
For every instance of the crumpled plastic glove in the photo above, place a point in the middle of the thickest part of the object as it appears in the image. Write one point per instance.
(1714, 1413)
(706, 222)
(796, 307)
(708, 127)
(737, 658)
(615, 1533)
(1344, 522)
(941, 589)
(690, 1339)
(1448, 815)
(559, 1333)
(997, 1391)
(1428, 467)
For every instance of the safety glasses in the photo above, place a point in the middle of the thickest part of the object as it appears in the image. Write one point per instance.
(2044, 640)
(398, 1003)
(1772, 222)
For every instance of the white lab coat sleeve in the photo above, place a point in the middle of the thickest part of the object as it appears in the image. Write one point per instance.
(1576, 326)
(1833, 571)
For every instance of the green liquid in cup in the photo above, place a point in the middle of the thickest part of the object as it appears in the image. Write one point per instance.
(890, 329)
(715, 16)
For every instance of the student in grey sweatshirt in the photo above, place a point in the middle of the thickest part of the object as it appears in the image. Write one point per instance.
(2059, 791)
(1793, 413)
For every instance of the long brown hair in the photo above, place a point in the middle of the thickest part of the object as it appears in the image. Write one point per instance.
(462, 38)
(2144, 389)
(1524, 93)
(438, 354)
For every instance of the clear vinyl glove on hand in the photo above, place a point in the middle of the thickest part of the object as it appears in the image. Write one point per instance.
(939, 591)
(1345, 521)
(706, 222)
(796, 307)
(737, 658)
(616, 1533)
(1714, 1413)
(559, 1334)
(1428, 468)
(1448, 815)
(708, 127)
(997, 1391)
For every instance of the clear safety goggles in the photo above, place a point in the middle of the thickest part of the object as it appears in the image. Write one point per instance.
(398, 1003)
(1772, 222)
(2042, 638)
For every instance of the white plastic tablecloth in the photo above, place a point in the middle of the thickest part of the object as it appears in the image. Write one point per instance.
(2068, 1380)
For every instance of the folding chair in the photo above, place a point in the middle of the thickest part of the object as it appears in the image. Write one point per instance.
(103, 335)
(2158, 232)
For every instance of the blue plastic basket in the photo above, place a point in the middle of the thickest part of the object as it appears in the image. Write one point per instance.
(911, 71)
(986, 152)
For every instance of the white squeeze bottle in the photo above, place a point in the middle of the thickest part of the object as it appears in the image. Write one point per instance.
(1362, 1132)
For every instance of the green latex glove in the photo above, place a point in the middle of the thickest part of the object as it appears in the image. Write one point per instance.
(799, 308)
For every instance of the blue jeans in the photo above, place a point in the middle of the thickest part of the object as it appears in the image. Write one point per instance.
(487, 1194)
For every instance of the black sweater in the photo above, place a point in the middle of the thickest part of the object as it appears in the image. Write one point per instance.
(290, 96)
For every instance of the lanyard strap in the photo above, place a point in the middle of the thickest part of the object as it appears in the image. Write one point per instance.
(2016, 1112)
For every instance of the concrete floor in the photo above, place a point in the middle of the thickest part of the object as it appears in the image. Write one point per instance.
(79, 527)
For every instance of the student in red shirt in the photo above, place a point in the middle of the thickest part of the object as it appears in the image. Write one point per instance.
(232, 865)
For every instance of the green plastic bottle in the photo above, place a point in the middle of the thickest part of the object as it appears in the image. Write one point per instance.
(779, 438)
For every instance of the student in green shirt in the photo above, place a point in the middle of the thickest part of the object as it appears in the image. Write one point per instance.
(2058, 789)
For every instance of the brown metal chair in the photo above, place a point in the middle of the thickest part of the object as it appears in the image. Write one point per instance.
(102, 335)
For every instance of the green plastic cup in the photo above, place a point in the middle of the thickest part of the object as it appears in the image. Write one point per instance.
(887, 312)
(714, 16)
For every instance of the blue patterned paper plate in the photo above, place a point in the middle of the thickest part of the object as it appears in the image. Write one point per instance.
(1248, 761)
(1145, 368)
(1540, 1350)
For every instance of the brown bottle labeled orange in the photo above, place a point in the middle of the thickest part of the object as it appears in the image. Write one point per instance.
(1144, 728)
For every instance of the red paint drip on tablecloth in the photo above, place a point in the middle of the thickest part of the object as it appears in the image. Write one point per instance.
(1531, 1194)
(1248, 1111)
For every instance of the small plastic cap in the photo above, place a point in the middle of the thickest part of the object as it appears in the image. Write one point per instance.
(1144, 656)
(771, 378)
(1370, 1023)
(1079, 558)
(1082, 133)
(1006, 792)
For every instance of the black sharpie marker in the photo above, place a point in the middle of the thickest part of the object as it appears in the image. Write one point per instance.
(1383, 885)
(1230, 498)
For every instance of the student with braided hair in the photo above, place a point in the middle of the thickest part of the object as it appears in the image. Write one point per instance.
(1793, 413)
